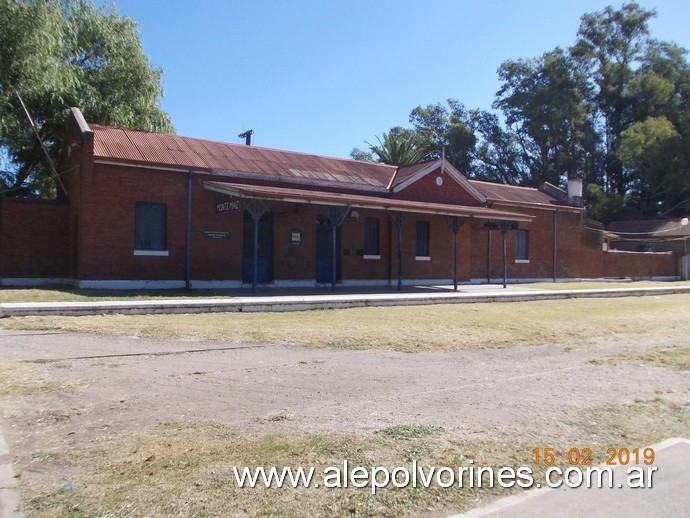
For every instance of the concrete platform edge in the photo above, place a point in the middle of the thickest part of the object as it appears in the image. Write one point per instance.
(311, 302)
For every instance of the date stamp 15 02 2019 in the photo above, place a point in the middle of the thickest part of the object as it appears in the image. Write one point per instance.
(583, 456)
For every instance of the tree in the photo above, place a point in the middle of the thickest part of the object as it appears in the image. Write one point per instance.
(544, 104)
(610, 45)
(55, 54)
(399, 146)
(613, 109)
(446, 129)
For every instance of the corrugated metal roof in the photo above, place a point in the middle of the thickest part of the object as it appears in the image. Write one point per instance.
(175, 151)
(375, 202)
(649, 229)
(407, 171)
(501, 193)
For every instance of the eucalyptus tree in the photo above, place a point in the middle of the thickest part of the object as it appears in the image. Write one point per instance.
(60, 53)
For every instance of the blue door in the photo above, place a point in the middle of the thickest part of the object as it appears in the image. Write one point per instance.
(265, 258)
(324, 252)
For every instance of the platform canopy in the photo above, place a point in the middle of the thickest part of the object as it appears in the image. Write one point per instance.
(263, 192)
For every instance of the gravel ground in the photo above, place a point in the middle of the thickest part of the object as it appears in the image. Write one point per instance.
(510, 393)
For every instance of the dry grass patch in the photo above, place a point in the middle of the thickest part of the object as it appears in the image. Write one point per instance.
(441, 327)
(186, 469)
(8, 295)
(603, 285)
(673, 357)
(20, 379)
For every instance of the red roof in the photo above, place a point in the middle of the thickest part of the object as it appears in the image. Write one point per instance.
(238, 160)
(184, 152)
(511, 194)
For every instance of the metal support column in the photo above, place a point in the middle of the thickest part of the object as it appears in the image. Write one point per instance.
(336, 218)
(504, 231)
(399, 219)
(455, 223)
(488, 255)
(256, 209)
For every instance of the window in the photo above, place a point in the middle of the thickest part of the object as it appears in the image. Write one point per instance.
(521, 241)
(150, 228)
(422, 239)
(371, 238)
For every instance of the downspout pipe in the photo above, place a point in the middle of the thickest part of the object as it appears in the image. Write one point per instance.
(188, 239)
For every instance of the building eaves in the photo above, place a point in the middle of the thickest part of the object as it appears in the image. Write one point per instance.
(359, 201)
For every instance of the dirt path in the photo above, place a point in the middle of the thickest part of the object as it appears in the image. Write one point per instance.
(128, 384)
(63, 395)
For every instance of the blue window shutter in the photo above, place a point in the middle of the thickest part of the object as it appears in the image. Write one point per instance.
(371, 236)
(422, 239)
(150, 226)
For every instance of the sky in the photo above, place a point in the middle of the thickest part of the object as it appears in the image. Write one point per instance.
(323, 76)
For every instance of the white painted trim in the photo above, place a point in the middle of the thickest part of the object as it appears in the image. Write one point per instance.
(364, 282)
(422, 258)
(130, 285)
(373, 257)
(424, 282)
(303, 283)
(521, 261)
(445, 168)
(218, 285)
(153, 253)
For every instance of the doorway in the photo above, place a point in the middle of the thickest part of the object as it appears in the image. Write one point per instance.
(264, 265)
(324, 252)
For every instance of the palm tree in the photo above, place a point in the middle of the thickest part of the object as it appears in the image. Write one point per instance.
(400, 147)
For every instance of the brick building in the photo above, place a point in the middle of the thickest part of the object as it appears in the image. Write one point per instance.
(163, 211)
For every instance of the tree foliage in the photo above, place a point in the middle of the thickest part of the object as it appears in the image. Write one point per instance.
(613, 109)
(399, 146)
(60, 53)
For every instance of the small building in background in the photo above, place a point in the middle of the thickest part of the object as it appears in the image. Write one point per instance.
(663, 235)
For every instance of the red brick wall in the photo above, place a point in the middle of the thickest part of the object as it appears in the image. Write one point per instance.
(640, 265)
(33, 239)
(578, 252)
(426, 189)
(105, 204)
(440, 264)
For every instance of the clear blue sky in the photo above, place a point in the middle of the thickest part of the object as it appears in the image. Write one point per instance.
(322, 76)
